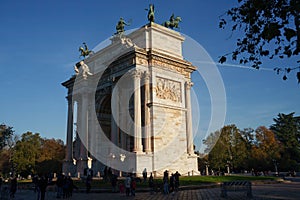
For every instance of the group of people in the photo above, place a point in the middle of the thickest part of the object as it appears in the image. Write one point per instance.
(172, 184)
(64, 185)
(9, 191)
(130, 185)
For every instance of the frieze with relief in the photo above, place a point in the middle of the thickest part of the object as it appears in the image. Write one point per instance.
(168, 89)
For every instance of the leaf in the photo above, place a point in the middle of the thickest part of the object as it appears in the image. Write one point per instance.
(234, 27)
(278, 70)
(284, 77)
(222, 23)
(222, 59)
(289, 33)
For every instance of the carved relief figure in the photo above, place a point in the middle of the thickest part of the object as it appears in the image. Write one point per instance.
(167, 89)
(82, 68)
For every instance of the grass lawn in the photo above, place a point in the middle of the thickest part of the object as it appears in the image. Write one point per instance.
(184, 180)
(196, 180)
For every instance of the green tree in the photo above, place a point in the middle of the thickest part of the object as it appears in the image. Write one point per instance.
(287, 131)
(6, 135)
(229, 149)
(33, 154)
(248, 136)
(7, 142)
(26, 152)
(5, 165)
(269, 28)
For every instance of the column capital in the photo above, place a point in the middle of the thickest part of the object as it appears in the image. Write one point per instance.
(136, 73)
(146, 75)
(189, 84)
(69, 98)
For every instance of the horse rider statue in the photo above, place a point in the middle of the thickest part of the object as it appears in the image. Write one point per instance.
(84, 51)
(173, 22)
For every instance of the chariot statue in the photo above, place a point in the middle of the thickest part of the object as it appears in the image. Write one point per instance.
(84, 51)
(173, 22)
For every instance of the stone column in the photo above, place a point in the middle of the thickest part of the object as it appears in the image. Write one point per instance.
(122, 117)
(68, 162)
(113, 125)
(147, 135)
(83, 133)
(84, 126)
(69, 150)
(189, 125)
(92, 141)
(137, 112)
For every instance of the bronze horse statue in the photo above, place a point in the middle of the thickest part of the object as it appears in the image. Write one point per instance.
(84, 51)
(173, 23)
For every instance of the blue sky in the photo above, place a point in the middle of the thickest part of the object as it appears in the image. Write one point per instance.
(39, 46)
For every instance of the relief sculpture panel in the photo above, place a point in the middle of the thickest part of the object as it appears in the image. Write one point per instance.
(168, 89)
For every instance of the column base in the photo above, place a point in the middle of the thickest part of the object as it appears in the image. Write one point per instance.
(68, 168)
(81, 163)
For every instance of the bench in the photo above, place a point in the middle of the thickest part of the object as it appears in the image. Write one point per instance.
(236, 186)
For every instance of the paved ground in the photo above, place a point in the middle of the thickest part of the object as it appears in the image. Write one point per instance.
(260, 191)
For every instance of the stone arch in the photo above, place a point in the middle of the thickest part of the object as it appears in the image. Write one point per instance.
(103, 110)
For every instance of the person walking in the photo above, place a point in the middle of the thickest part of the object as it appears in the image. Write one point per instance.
(88, 184)
(127, 185)
(42, 184)
(166, 182)
(59, 185)
(145, 175)
(133, 186)
(13, 188)
(172, 183)
(1, 181)
(176, 177)
(151, 184)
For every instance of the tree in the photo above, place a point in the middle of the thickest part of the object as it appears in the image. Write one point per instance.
(51, 157)
(248, 136)
(230, 148)
(287, 131)
(26, 152)
(270, 28)
(266, 149)
(33, 154)
(6, 134)
(7, 142)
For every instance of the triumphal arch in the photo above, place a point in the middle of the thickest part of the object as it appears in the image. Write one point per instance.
(129, 106)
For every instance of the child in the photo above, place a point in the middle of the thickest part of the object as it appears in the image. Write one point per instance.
(121, 187)
(133, 186)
